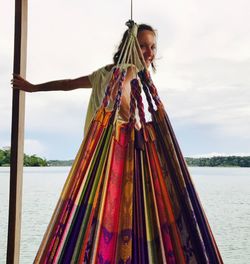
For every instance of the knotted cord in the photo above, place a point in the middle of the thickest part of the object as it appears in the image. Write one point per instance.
(131, 51)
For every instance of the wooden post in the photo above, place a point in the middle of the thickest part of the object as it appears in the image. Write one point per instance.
(17, 135)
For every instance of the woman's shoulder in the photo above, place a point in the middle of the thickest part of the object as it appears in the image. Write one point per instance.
(101, 76)
(104, 70)
(107, 69)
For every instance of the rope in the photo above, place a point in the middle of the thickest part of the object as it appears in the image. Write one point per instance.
(132, 108)
(131, 52)
(132, 10)
(119, 93)
(148, 97)
(147, 81)
(136, 91)
(112, 83)
(117, 103)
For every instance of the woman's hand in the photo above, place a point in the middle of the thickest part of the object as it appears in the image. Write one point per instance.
(21, 84)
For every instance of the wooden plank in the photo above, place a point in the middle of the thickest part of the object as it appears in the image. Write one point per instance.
(17, 135)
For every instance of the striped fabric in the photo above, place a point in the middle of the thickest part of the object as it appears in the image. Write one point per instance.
(129, 197)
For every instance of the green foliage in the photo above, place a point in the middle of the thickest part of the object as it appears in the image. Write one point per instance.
(29, 161)
(34, 161)
(5, 157)
(230, 161)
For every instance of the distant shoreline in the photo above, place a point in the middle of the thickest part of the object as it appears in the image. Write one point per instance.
(216, 161)
(219, 161)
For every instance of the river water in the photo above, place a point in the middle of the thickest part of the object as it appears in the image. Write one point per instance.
(224, 193)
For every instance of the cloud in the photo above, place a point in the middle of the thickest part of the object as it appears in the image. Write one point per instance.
(209, 91)
(205, 29)
(33, 146)
(56, 112)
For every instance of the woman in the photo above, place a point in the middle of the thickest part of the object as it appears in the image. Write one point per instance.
(99, 79)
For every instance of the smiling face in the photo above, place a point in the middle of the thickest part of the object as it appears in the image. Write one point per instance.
(147, 41)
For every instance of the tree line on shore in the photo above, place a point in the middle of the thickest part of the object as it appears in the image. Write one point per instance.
(220, 161)
(28, 161)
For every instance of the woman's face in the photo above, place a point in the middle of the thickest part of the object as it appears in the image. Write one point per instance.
(147, 41)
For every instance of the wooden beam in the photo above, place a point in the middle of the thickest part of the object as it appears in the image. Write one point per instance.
(17, 135)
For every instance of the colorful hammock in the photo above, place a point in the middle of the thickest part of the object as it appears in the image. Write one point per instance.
(129, 197)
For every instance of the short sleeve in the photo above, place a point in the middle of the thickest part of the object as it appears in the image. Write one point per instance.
(93, 76)
(99, 80)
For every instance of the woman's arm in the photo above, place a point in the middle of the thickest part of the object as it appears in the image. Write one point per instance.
(59, 85)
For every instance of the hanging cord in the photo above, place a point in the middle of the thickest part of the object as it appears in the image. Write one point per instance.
(113, 81)
(125, 51)
(117, 103)
(146, 79)
(132, 10)
(136, 92)
(132, 109)
(131, 51)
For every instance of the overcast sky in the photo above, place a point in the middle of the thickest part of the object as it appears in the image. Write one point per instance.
(203, 69)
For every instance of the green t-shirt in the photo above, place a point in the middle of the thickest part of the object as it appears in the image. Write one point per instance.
(99, 80)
